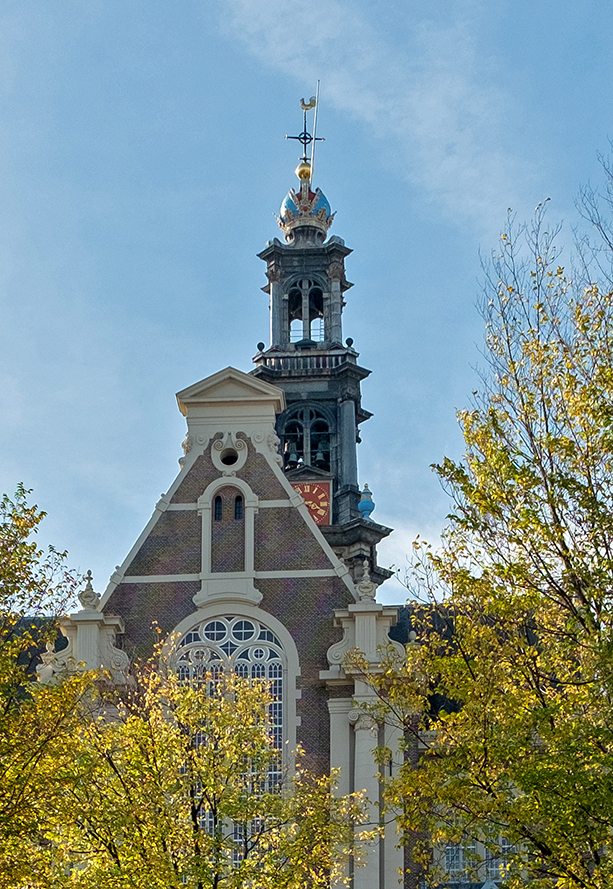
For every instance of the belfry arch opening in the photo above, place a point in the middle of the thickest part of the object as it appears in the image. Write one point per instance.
(306, 440)
(305, 311)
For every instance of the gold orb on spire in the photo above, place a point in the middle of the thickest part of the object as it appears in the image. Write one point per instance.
(303, 170)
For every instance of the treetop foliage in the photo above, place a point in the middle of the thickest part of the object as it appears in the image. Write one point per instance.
(520, 755)
(155, 783)
(174, 785)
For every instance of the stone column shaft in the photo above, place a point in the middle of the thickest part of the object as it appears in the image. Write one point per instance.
(340, 742)
(306, 312)
(336, 327)
(393, 852)
(276, 320)
(367, 779)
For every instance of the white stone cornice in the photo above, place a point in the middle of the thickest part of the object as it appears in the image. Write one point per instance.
(262, 504)
(160, 578)
(218, 577)
(230, 390)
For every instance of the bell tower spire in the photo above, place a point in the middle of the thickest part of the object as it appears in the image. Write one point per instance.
(306, 358)
(307, 308)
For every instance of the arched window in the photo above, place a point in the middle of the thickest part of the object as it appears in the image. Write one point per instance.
(238, 508)
(306, 440)
(228, 531)
(320, 444)
(218, 509)
(247, 647)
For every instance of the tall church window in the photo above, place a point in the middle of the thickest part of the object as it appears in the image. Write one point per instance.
(306, 440)
(294, 308)
(238, 508)
(231, 643)
(245, 646)
(316, 314)
(293, 450)
(458, 859)
(496, 864)
(320, 444)
(218, 509)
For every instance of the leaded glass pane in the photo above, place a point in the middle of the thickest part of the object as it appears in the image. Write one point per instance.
(215, 631)
(243, 629)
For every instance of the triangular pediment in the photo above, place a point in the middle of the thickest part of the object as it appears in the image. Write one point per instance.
(307, 474)
(231, 386)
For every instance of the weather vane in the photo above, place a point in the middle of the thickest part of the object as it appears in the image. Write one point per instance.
(305, 138)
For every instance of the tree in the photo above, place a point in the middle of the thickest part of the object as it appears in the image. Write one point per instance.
(173, 785)
(158, 783)
(34, 587)
(513, 676)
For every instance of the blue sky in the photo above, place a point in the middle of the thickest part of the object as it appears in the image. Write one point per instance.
(142, 157)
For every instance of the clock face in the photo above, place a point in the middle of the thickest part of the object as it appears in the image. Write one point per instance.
(316, 495)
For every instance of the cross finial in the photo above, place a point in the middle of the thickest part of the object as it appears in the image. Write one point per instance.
(305, 138)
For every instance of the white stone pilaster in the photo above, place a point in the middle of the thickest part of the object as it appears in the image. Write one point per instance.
(340, 751)
(393, 852)
(340, 742)
(348, 437)
(367, 780)
(336, 328)
(276, 320)
(366, 626)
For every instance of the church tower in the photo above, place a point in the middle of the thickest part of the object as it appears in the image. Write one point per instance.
(321, 377)
(260, 558)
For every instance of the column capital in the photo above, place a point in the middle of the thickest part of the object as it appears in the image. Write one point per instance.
(362, 722)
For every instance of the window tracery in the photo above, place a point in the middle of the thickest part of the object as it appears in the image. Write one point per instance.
(458, 859)
(243, 645)
(246, 646)
(306, 440)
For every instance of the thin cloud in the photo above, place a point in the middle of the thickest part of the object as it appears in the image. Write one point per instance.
(430, 95)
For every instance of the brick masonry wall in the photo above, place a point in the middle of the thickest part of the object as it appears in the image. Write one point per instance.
(160, 554)
(147, 607)
(198, 477)
(258, 475)
(282, 542)
(305, 605)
